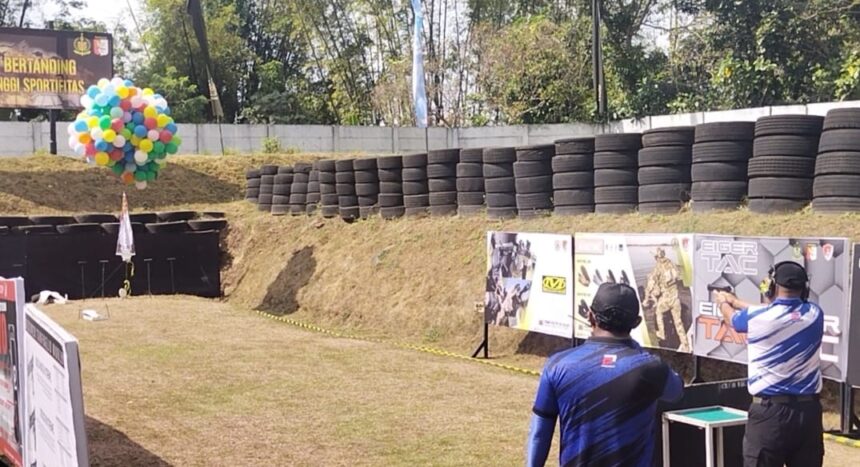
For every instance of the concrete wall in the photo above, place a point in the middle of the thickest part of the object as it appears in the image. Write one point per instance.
(27, 138)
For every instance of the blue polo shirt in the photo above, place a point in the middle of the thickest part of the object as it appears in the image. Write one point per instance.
(605, 393)
(784, 344)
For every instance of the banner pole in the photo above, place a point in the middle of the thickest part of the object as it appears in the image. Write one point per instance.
(485, 343)
(697, 378)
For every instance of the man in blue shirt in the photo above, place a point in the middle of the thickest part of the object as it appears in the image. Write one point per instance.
(784, 341)
(604, 392)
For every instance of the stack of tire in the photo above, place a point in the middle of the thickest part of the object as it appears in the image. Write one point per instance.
(416, 193)
(347, 201)
(267, 182)
(499, 184)
(721, 154)
(616, 164)
(533, 180)
(664, 169)
(442, 181)
(573, 176)
(389, 172)
(366, 186)
(470, 182)
(313, 198)
(329, 206)
(783, 164)
(281, 191)
(252, 184)
(837, 169)
(299, 191)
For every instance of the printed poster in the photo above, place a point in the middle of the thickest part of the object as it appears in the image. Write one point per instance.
(11, 314)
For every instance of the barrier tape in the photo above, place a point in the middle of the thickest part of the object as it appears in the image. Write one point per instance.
(842, 440)
(402, 345)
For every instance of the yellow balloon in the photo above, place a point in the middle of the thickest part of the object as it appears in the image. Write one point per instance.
(162, 120)
(150, 112)
(109, 136)
(146, 145)
(148, 92)
(103, 83)
(92, 122)
(122, 92)
(102, 158)
(84, 138)
(135, 140)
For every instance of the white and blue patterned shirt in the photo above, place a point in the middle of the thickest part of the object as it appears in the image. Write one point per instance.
(784, 343)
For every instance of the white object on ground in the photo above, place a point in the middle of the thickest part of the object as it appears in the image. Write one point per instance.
(49, 295)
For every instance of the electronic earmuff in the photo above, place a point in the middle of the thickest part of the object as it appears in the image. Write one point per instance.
(768, 286)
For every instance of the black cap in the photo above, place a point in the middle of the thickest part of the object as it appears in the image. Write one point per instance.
(790, 275)
(615, 305)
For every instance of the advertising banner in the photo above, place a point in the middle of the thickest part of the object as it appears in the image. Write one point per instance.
(742, 263)
(46, 69)
(528, 282)
(54, 406)
(854, 332)
(11, 315)
(657, 266)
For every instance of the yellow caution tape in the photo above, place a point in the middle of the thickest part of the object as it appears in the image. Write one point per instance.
(842, 440)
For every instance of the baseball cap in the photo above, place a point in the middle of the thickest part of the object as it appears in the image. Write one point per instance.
(616, 303)
(790, 275)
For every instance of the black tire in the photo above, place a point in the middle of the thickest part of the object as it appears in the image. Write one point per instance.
(416, 201)
(327, 189)
(781, 166)
(443, 198)
(838, 163)
(298, 188)
(302, 168)
(263, 199)
(344, 165)
(718, 191)
(285, 169)
(664, 207)
(313, 187)
(213, 215)
(573, 180)
(616, 195)
(414, 160)
(349, 213)
(283, 179)
(441, 171)
(366, 189)
(415, 188)
(574, 146)
(573, 163)
(573, 210)
(367, 164)
(345, 189)
(838, 119)
(392, 212)
(722, 151)
(710, 206)
(573, 197)
(167, 227)
(526, 185)
(15, 221)
(313, 198)
(836, 204)
(665, 156)
(472, 155)
(470, 198)
(326, 165)
(502, 213)
(39, 229)
(671, 174)
(417, 212)
(364, 201)
(499, 155)
(207, 224)
(328, 177)
(470, 170)
(329, 212)
(82, 228)
(724, 131)
(311, 209)
(278, 200)
(253, 183)
(267, 189)
(53, 220)
(268, 170)
(470, 210)
(664, 192)
(347, 201)
(619, 142)
(470, 185)
(443, 156)
(718, 171)
(389, 163)
(443, 210)
(389, 200)
(668, 136)
(267, 180)
(112, 228)
(776, 205)
(499, 185)
(366, 176)
(95, 218)
(391, 187)
(143, 217)
(501, 200)
(172, 216)
(541, 153)
(498, 170)
(840, 140)
(532, 169)
(808, 125)
(413, 174)
(614, 177)
(836, 186)
(329, 200)
(366, 212)
(785, 146)
(616, 160)
(390, 175)
(344, 177)
(252, 173)
(615, 208)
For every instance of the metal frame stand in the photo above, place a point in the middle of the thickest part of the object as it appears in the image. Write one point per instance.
(83, 279)
(104, 263)
(172, 281)
(148, 262)
(850, 424)
(485, 343)
(697, 377)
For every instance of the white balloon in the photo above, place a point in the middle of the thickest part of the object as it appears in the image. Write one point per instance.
(131, 167)
(140, 157)
(71, 129)
(152, 135)
(161, 102)
(140, 185)
(136, 101)
(86, 101)
(119, 141)
(80, 149)
(97, 133)
(116, 81)
(73, 142)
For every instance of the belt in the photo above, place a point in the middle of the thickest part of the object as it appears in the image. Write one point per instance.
(785, 399)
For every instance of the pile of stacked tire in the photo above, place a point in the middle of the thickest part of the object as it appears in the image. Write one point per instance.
(347, 201)
(573, 176)
(416, 193)
(533, 180)
(499, 184)
(299, 188)
(837, 169)
(664, 169)
(252, 185)
(282, 190)
(313, 198)
(783, 163)
(721, 154)
(616, 156)
(389, 172)
(442, 181)
(366, 186)
(329, 206)
(470, 182)
(267, 183)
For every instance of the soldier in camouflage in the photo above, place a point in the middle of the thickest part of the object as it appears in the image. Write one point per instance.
(661, 292)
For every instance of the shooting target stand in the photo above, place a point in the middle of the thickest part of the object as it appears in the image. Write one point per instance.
(849, 425)
(485, 343)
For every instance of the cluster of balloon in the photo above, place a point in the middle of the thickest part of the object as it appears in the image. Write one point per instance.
(125, 128)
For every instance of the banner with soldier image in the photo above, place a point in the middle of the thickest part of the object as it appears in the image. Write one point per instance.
(528, 282)
(657, 266)
(741, 264)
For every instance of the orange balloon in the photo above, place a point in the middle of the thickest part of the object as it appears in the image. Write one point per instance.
(127, 177)
(84, 138)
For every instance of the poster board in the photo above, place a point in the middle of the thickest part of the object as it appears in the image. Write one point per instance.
(743, 263)
(528, 282)
(657, 266)
(11, 386)
(854, 310)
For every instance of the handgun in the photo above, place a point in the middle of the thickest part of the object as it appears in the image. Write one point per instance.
(721, 288)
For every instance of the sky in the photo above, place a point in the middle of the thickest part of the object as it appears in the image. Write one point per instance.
(109, 12)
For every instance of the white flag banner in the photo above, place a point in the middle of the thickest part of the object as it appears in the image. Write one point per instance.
(125, 241)
(419, 94)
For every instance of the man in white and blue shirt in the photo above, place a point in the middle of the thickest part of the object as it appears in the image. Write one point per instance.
(784, 343)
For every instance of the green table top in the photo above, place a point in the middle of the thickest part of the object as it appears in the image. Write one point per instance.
(712, 414)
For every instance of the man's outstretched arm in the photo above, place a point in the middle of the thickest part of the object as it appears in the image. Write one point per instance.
(540, 440)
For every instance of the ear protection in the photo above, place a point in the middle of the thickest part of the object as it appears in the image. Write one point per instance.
(768, 286)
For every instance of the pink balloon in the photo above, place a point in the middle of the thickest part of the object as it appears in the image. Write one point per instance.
(117, 125)
(125, 104)
(150, 123)
(126, 117)
(91, 149)
(165, 136)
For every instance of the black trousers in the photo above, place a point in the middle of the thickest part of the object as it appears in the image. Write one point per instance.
(784, 434)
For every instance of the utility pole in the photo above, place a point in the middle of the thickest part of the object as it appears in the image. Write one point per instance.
(597, 61)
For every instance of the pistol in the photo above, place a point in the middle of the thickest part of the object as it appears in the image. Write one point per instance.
(723, 288)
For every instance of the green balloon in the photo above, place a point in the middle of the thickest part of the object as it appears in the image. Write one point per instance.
(104, 122)
(177, 140)
(126, 133)
(140, 176)
(118, 169)
(158, 147)
(150, 176)
(171, 147)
